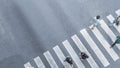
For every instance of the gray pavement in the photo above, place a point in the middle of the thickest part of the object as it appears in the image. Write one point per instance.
(28, 28)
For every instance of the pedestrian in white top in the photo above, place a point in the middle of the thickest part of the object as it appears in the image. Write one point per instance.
(95, 21)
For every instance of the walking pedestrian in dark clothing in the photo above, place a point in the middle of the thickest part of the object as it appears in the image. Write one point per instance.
(83, 56)
(69, 60)
(117, 41)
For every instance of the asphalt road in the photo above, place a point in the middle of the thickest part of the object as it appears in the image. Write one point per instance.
(30, 27)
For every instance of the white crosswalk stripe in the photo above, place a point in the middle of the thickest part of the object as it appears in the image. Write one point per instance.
(95, 48)
(50, 59)
(82, 48)
(105, 44)
(39, 62)
(118, 12)
(61, 56)
(111, 19)
(108, 31)
(28, 65)
(73, 54)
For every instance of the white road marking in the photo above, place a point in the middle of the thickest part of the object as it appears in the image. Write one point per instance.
(105, 44)
(73, 54)
(39, 62)
(61, 56)
(118, 12)
(82, 48)
(108, 31)
(50, 59)
(111, 19)
(28, 65)
(95, 48)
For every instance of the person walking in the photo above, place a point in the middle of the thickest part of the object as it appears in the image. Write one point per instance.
(117, 21)
(69, 60)
(83, 56)
(117, 41)
(95, 21)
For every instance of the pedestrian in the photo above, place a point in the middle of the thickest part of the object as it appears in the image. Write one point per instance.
(69, 60)
(83, 56)
(117, 21)
(95, 21)
(117, 41)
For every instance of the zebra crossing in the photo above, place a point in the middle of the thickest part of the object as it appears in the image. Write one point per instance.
(82, 48)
